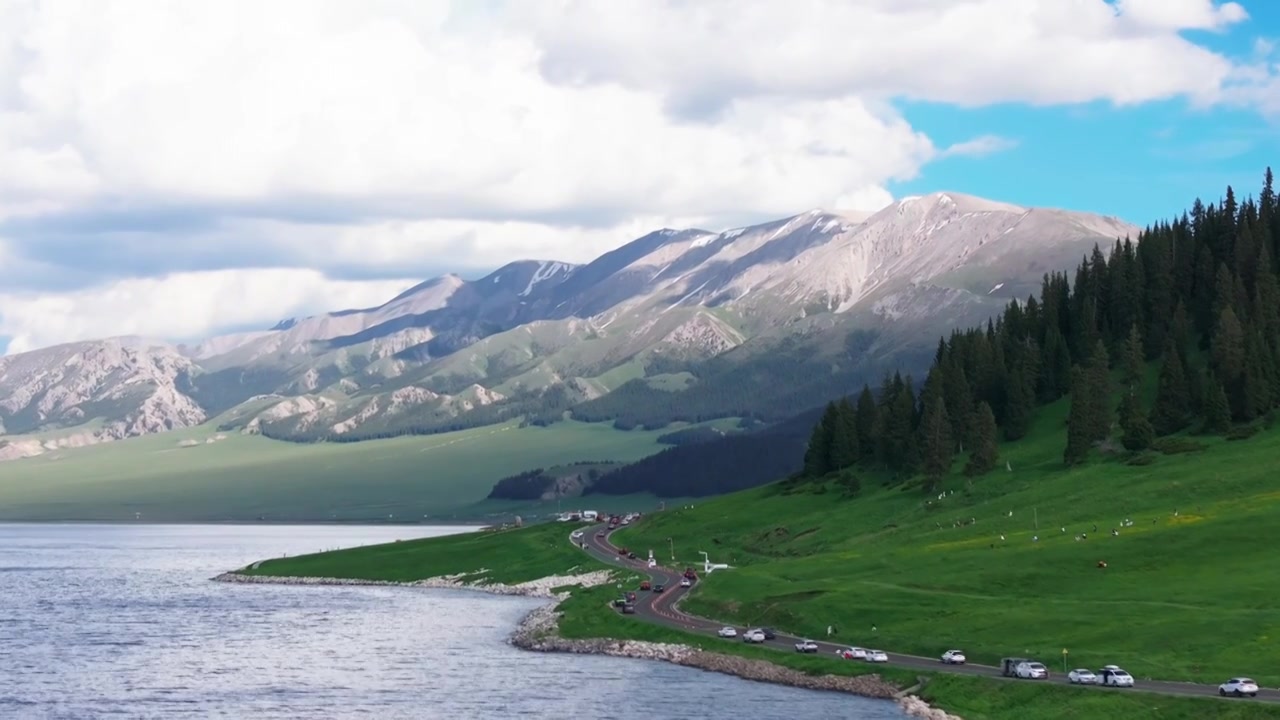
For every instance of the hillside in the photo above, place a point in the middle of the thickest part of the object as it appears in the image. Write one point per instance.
(762, 322)
(1180, 597)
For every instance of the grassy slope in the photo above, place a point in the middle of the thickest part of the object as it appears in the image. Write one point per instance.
(509, 556)
(1186, 597)
(243, 477)
(518, 555)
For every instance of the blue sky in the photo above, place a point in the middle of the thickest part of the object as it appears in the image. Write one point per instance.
(178, 172)
(1142, 163)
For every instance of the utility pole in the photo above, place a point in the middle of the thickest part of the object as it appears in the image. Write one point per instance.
(672, 543)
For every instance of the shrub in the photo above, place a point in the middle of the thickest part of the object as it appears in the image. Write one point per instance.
(1177, 445)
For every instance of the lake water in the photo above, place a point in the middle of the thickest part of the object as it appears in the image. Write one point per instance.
(121, 621)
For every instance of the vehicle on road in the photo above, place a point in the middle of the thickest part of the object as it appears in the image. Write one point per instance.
(852, 653)
(631, 556)
(645, 585)
(953, 657)
(1239, 687)
(769, 633)
(877, 656)
(619, 602)
(728, 632)
(1113, 676)
(753, 636)
(659, 588)
(806, 646)
(629, 609)
(1024, 669)
(1082, 676)
(599, 533)
(686, 582)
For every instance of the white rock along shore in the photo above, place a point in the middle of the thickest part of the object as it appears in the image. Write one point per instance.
(539, 632)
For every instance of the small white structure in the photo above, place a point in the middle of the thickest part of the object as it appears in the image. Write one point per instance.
(708, 567)
(590, 515)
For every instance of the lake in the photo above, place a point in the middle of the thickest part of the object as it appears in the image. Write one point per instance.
(122, 621)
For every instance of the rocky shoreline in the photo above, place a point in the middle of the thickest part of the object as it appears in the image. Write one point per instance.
(539, 632)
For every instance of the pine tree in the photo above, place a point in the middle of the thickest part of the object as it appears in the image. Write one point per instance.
(1138, 433)
(1055, 374)
(959, 402)
(1019, 400)
(844, 437)
(1132, 357)
(867, 422)
(817, 456)
(1229, 359)
(983, 451)
(1078, 418)
(1171, 411)
(1217, 411)
(939, 448)
(1098, 388)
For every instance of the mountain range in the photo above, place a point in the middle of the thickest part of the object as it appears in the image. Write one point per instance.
(760, 322)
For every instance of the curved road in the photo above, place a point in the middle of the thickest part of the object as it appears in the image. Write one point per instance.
(661, 608)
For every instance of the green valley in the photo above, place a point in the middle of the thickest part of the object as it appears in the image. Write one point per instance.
(201, 474)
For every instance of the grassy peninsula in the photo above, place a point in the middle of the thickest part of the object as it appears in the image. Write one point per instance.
(1184, 596)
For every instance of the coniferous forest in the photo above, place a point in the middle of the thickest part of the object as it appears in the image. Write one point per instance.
(1198, 297)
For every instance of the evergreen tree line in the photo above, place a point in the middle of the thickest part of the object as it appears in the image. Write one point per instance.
(1200, 295)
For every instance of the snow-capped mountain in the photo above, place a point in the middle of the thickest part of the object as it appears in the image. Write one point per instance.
(537, 336)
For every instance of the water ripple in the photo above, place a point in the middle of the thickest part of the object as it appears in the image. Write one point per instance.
(121, 621)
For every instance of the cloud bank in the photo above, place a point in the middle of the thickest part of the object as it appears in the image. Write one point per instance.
(198, 166)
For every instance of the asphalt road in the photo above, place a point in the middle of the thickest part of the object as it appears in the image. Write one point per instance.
(661, 608)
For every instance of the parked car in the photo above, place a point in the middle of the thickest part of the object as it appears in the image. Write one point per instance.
(852, 653)
(753, 636)
(1082, 676)
(1113, 676)
(1238, 687)
(1031, 670)
(877, 656)
(728, 632)
(806, 646)
(953, 657)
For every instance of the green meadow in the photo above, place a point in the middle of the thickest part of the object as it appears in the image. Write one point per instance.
(994, 566)
(199, 474)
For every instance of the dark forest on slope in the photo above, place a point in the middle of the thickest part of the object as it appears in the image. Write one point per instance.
(1199, 294)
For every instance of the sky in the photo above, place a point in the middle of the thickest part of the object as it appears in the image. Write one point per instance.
(182, 169)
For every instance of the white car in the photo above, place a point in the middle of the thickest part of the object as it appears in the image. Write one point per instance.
(1082, 676)
(727, 631)
(1238, 687)
(806, 646)
(852, 653)
(686, 582)
(1113, 676)
(953, 657)
(877, 656)
(753, 636)
(1032, 671)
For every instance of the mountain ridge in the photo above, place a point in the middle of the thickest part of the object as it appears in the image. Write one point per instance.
(535, 337)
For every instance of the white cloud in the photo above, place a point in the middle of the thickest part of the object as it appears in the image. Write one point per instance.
(467, 134)
(181, 306)
(979, 146)
(972, 52)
